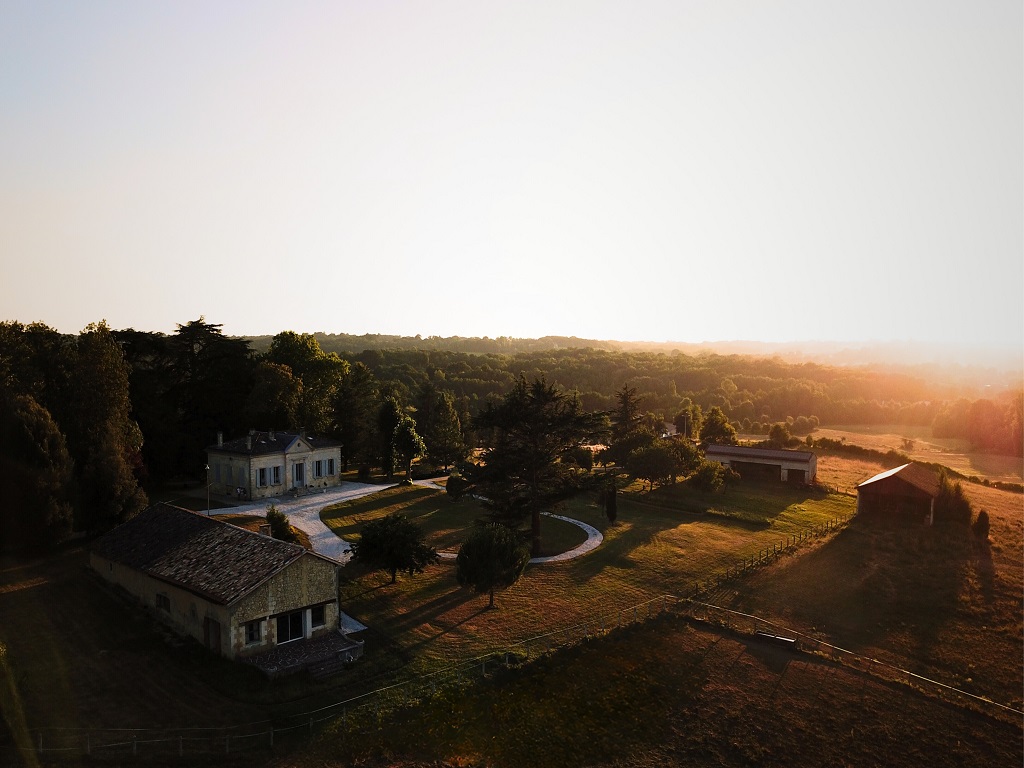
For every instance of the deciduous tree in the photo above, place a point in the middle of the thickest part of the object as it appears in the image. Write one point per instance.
(37, 471)
(393, 543)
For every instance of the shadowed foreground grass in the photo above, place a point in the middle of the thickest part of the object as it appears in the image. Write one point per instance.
(667, 693)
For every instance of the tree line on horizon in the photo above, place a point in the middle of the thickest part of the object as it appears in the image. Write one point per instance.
(92, 418)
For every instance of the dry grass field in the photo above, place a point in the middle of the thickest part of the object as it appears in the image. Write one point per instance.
(953, 453)
(933, 600)
(671, 694)
(665, 693)
(654, 548)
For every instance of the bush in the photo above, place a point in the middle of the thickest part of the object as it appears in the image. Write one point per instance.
(279, 526)
(952, 505)
(456, 486)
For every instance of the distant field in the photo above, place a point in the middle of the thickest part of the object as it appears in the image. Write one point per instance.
(954, 454)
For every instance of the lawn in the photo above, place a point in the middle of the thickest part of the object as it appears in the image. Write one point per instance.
(670, 693)
(663, 542)
(929, 599)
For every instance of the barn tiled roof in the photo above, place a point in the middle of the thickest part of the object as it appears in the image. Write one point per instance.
(920, 477)
(751, 452)
(216, 560)
(261, 443)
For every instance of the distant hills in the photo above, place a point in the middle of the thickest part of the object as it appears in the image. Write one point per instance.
(979, 365)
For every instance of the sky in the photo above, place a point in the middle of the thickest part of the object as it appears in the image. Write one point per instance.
(663, 171)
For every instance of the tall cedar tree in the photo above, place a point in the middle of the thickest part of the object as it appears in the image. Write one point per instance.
(530, 429)
(355, 413)
(493, 557)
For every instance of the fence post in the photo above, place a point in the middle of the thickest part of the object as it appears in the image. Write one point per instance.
(40, 742)
(135, 744)
(271, 735)
(181, 745)
(227, 745)
(88, 744)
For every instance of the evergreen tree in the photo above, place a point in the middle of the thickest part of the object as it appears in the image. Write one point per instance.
(529, 430)
(105, 442)
(493, 557)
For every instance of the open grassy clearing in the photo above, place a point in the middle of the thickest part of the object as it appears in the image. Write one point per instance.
(655, 547)
(445, 523)
(953, 453)
(928, 599)
(669, 693)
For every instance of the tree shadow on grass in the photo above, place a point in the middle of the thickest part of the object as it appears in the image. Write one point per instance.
(874, 581)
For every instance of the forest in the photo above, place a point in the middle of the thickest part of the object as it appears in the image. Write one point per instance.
(88, 420)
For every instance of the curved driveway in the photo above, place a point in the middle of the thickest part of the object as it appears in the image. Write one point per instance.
(304, 513)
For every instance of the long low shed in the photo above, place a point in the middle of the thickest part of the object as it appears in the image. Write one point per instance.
(778, 463)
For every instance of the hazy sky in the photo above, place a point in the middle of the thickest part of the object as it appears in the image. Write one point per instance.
(630, 170)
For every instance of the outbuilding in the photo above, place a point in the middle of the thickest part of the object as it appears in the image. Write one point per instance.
(905, 493)
(237, 592)
(774, 463)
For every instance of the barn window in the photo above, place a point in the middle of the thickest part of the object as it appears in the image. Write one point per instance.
(330, 466)
(253, 632)
(163, 602)
(317, 616)
(289, 627)
(261, 477)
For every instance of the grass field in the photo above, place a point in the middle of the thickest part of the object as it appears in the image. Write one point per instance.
(667, 693)
(671, 694)
(953, 453)
(654, 548)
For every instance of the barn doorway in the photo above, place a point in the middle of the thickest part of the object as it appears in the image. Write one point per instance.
(211, 634)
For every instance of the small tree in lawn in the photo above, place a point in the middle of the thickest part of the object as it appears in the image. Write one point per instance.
(493, 557)
(279, 526)
(393, 543)
(611, 503)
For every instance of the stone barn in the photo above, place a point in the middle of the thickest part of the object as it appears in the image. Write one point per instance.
(903, 494)
(239, 593)
(771, 463)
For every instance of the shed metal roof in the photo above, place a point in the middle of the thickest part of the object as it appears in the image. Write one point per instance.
(752, 452)
(920, 477)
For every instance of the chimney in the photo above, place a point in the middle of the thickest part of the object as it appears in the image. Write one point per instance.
(302, 433)
(248, 442)
(271, 435)
(220, 439)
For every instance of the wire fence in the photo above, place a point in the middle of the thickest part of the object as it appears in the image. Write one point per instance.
(372, 709)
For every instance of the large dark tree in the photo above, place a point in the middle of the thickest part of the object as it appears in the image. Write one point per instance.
(105, 443)
(493, 557)
(37, 468)
(275, 398)
(627, 414)
(393, 543)
(443, 439)
(321, 374)
(717, 429)
(529, 431)
(212, 378)
(355, 413)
